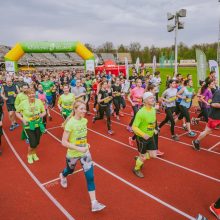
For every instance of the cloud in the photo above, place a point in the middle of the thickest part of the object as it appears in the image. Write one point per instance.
(99, 21)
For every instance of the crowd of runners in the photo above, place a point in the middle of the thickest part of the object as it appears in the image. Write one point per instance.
(29, 99)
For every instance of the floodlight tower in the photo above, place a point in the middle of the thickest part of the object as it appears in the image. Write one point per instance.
(177, 25)
(218, 49)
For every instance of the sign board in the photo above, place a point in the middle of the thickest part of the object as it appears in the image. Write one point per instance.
(90, 65)
(10, 66)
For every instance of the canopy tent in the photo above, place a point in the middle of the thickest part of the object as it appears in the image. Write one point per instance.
(111, 66)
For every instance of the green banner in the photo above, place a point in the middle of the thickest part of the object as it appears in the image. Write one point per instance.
(201, 65)
(48, 47)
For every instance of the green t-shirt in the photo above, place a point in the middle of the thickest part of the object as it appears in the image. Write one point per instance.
(19, 98)
(66, 101)
(88, 85)
(145, 120)
(47, 87)
(31, 111)
(78, 135)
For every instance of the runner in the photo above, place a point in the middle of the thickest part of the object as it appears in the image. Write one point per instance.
(104, 99)
(88, 86)
(75, 139)
(144, 128)
(186, 95)
(135, 98)
(31, 112)
(79, 91)
(213, 120)
(1, 117)
(169, 99)
(65, 102)
(9, 93)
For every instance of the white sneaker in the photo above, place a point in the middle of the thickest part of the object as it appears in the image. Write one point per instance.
(96, 206)
(94, 109)
(63, 181)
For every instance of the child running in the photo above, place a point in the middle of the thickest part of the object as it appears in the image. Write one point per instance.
(75, 139)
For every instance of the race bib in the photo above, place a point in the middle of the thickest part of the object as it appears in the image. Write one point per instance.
(107, 100)
(171, 99)
(34, 118)
(11, 93)
(210, 100)
(82, 141)
(188, 100)
(48, 90)
(67, 106)
(151, 126)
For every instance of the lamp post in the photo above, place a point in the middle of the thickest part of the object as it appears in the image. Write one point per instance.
(177, 25)
(218, 48)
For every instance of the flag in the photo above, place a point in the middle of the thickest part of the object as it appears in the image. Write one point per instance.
(154, 65)
(137, 64)
(213, 66)
(201, 65)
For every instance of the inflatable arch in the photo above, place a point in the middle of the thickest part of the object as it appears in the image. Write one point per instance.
(48, 47)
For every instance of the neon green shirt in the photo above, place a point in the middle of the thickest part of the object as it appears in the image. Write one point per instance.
(88, 85)
(145, 120)
(31, 111)
(78, 135)
(66, 101)
(19, 98)
(47, 87)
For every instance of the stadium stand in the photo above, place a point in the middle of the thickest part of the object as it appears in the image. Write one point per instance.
(75, 59)
(107, 56)
(121, 58)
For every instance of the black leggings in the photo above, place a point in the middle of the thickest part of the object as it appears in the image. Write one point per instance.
(184, 113)
(135, 110)
(169, 117)
(33, 136)
(107, 111)
(205, 113)
(87, 102)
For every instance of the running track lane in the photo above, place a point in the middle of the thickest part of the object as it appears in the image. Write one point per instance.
(108, 193)
(191, 185)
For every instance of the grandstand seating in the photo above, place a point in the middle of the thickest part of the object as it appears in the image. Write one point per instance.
(75, 59)
(107, 56)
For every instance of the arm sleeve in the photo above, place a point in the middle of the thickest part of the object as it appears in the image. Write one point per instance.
(136, 124)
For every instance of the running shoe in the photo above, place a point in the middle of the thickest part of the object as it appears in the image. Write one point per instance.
(215, 211)
(30, 159)
(121, 114)
(11, 128)
(129, 128)
(132, 114)
(110, 132)
(175, 137)
(88, 113)
(185, 128)
(94, 109)
(201, 217)
(159, 153)
(27, 141)
(117, 118)
(97, 206)
(63, 181)
(93, 120)
(138, 173)
(196, 145)
(114, 114)
(191, 134)
(35, 157)
(131, 141)
(16, 125)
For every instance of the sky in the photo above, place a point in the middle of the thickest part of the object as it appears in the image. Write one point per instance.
(98, 21)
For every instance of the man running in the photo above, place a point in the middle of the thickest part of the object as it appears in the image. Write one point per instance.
(144, 128)
(9, 93)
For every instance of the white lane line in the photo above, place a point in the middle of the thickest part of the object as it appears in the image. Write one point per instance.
(48, 129)
(214, 146)
(53, 200)
(167, 161)
(179, 135)
(54, 180)
(138, 189)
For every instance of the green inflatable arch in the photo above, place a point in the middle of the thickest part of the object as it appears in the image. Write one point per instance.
(48, 47)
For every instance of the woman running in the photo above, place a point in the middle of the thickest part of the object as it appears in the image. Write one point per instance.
(186, 95)
(75, 139)
(31, 113)
(135, 98)
(104, 99)
(169, 99)
(65, 102)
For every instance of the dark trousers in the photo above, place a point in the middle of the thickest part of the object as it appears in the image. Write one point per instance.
(169, 117)
(107, 111)
(135, 110)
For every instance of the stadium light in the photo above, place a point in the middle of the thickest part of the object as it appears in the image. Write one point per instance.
(177, 25)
